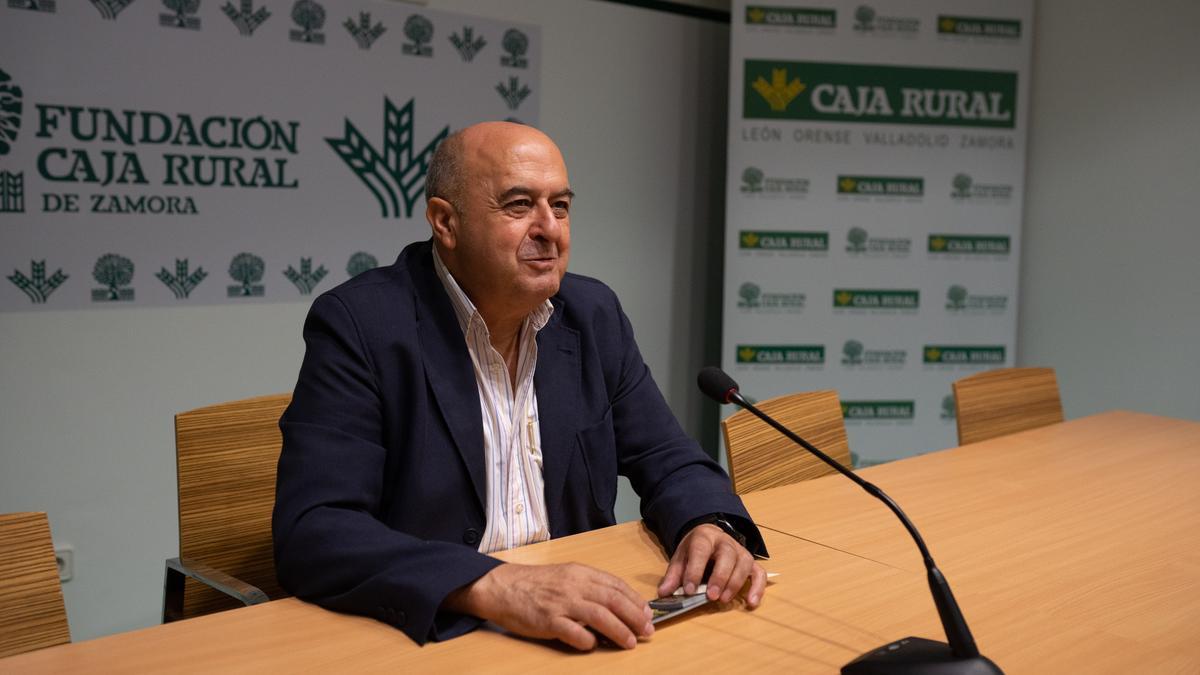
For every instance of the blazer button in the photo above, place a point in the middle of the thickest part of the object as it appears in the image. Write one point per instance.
(471, 536)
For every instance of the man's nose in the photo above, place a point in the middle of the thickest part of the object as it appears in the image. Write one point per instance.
(546, 224)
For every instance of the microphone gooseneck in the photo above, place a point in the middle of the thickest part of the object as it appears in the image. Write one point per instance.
(911, 652)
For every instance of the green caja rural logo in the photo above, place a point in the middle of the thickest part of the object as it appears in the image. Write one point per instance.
(948, 412)
(364, 33)
(183, 282)
(862, 298)
(115, 272)
(854, 353)
(467, 44)
(843, 92)
(964, 354)
(361, 262)
(420, 30)
(977, 27)
(310, 17)
(752, 297)
(37, 286)
(244, 17)
(867, 20)
(880, 186)
(306, 279)
(782, 355)
(109, 9)
(397, 177)
(183, 16)
(762, 240)
(878, 410)
(792, 17)
(247, 270)
(959, 300)
(970, 244)
(965, 188)
(860, 242)
(756, 182)
(515, 44)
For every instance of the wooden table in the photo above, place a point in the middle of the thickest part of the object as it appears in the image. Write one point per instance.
(1071, 548)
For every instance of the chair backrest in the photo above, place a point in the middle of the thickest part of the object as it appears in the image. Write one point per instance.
(226, 457)
(1005, 401)
(32, 614)
(760, 457)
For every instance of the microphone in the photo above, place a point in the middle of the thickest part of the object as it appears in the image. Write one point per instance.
(911, 654)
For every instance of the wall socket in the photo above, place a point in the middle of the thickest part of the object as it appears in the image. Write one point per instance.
(64, 555)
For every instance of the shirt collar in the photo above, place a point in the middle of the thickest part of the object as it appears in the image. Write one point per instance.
(465, 310)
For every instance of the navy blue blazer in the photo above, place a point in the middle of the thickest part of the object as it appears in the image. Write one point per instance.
(381, 486)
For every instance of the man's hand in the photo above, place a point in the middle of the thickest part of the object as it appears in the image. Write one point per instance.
(557, 601)
(732, 564)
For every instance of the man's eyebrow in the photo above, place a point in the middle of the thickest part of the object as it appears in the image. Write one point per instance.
(518, 190)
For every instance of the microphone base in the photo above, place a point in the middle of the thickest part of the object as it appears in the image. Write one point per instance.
(913, 655)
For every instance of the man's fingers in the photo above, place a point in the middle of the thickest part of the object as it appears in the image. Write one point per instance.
(724, 560)
(572, 633)
(737, 578)
(699, 551)
(758, 584)
(608, 624)
(674, 576)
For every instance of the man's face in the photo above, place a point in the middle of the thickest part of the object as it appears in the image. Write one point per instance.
(513, 234)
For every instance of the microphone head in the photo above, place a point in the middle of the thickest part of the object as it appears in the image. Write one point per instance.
(716, 384)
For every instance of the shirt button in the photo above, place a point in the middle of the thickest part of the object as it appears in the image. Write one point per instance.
(471, 536)
(520, 508)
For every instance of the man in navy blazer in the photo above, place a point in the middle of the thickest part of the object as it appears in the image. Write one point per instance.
(382, 484)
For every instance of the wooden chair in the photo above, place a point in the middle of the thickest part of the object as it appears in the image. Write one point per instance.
(760, 457)
(32, 614)
(1005, 401)
(226, 457)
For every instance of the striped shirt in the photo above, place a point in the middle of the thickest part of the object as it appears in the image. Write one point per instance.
(512, 445)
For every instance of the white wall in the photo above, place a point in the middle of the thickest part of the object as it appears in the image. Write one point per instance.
(636, 99)
(1111, 281)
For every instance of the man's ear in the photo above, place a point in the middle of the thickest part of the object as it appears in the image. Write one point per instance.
(443, 219)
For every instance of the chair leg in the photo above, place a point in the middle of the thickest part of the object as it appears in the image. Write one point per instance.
(172, 592)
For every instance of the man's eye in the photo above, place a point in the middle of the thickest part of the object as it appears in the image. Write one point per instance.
(562, 208)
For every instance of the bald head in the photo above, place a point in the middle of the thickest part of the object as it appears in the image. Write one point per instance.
(447, 172)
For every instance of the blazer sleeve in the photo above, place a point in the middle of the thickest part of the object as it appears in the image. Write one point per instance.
(331, 546)
(676, 480)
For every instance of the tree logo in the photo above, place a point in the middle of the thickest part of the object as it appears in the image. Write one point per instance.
(36, 285)
(246, 269)
(10, 112)
(514, 93)
(398, 173)
(864, 18)
(246, 18)
(467, 45)
(856, 239)
(115, 272)
(852, 351)
(962, 186)
(12, 191)
(363, 32)
(34, 5)
(752, 178)
(516, 44)
(109, 9)
(307, 278)
(181, 18)
(310, 17)
(948, 407)
(182, 283)
(957, 297)
(779, 93)
(749, 294)
(361, 262)
(420, 30)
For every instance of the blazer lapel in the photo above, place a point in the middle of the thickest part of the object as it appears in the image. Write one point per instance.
(557, 380)
(448, 369)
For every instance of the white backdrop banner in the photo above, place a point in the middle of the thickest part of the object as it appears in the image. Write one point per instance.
(166, 152)
(876, 159)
